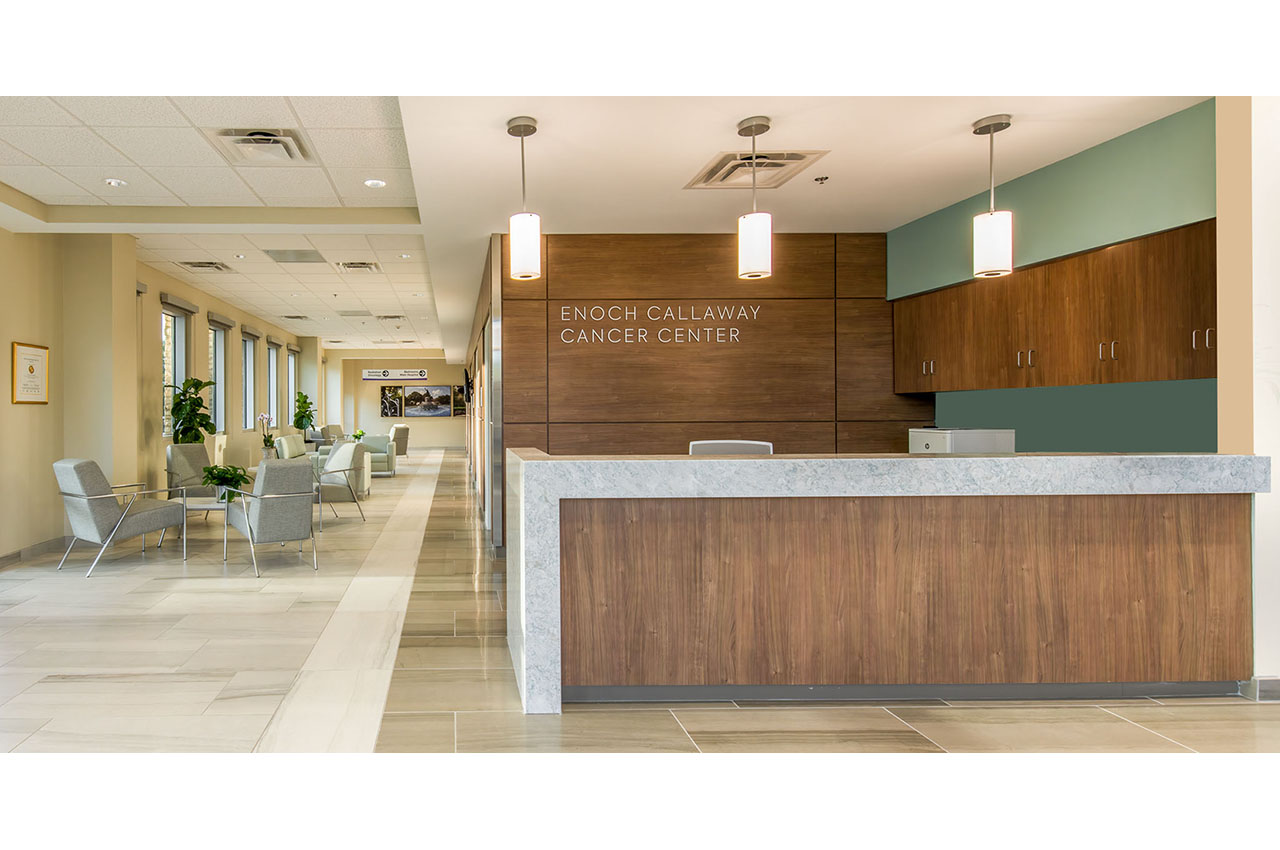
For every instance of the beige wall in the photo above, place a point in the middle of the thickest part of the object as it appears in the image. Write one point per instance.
(240, 446)
(31, 435)
(361, 398)
(1234, 335)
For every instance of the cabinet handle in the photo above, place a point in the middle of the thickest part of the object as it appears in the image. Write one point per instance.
(1100, 346)
(1030, 351)
(1193, 339)
(1113, 349)
(1207, 331)
(930, 367)
(924, 367)
(1019, 359)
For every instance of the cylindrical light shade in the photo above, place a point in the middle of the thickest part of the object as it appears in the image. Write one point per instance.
(993, 244)
(755, 245)
(525, 235)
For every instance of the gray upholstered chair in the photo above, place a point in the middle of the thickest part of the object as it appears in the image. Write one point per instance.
(96, 515)
(290, 446)
(382, 452)
(277, 511)
(314, 438)
(343, 471)
(400, 436)
(184, 467)
(332, 433)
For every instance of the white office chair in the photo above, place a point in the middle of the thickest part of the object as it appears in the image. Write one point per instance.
(730, 447)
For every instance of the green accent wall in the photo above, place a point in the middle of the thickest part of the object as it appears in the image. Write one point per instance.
(1158, 176)
(1153, 416)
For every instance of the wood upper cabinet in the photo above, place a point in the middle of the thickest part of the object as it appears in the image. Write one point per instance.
(1142, 310)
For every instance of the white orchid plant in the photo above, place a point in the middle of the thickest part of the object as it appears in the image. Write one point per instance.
(265, 420)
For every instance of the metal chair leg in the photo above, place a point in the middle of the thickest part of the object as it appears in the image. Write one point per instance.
(161, 543)
(335, 511)
(184, 532)
(144, 544)
(315, 564)
(354, 499)
(224, 533)
(249, 528)
(65, 554)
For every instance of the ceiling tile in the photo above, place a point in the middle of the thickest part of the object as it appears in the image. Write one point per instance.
(9, 155)
(34, 112)
(395, 242)
(209, 182)
(179, 254)
(347, 111)
(171, 146)
(280, 241)
(372, 148)
(123, 111)
(350, 182)
(63, 145)
(344, 242)
(396, 260)
(290, 183)
(144, 201)
(380, 201)
(38, 181)
(302, 201)
(92, 179)
(221, 201)
(241, 113)
(224, 242)
(164, 241)
(301, 270)
(74, 201)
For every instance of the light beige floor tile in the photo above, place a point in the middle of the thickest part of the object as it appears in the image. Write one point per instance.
(329, 711)
(90, 697)
(1048, 703)
(89, 629)
(15, 730)
(357, 640)
(429, 624)
(1033, 730)
(445, 652)
(253, 692)
(154, 656)
(802, 730)
(416, 733)
(12, 684)
(146, 735)
(820, 703)
(243, 602)
(1226, 728)
(376, 593)
(289, 625)
(453, 690)
(1222, 700)
(584, 732)
(239, 654)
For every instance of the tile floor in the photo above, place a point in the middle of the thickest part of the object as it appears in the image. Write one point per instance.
(397, 644)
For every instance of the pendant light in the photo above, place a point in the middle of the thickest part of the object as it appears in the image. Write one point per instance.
(755, 229)
(524, 234)
(992, 230)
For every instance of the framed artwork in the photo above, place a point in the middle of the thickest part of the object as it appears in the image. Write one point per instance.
(30, 373)
(459, 401)
(434, 401)
(392, 400)
(415, 395)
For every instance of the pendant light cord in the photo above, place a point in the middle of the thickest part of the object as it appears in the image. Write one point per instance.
(991, 167)
(524, 201)
(753, 173)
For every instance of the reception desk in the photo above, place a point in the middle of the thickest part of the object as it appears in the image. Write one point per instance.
(878, 576)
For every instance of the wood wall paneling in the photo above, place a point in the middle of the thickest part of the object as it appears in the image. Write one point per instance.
(692, 265)
(906, 590)
(781, 368)
(524, 361)
(865, 366)
(524, 437)
(861, 265)
(674, 437)
(877, 437)
(523, 288)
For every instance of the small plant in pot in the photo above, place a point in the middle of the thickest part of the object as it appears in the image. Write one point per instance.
(268, 439)
(359, 435)
(190, 420)
(226, 476)
(304, 415)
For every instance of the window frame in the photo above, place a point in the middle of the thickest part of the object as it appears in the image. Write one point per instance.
(291, 384)
(248, 388)
(273, 383)
(218, 374)
(179, 372)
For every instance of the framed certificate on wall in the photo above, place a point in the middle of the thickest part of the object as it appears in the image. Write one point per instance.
(30, 373)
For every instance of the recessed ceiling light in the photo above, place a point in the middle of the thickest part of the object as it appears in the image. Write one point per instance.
(293, 295)
(374, 183)
(405, 256)
(239, 256)
(115, 182)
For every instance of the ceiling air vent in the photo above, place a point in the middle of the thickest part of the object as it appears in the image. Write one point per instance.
(296, 318)
(732, 169)
(205, 266)
(280, 255)
(354, 313)
(372, 268)
(260, 147)
(391, 318)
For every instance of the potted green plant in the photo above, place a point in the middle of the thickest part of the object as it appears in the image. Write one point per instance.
(359, 435)
(190, 421)
(223, 477)
(304, 414)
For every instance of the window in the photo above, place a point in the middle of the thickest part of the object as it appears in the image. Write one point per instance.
(291, 390)
(173, 352)
(273, 383)
(218, 374)
(246, 381)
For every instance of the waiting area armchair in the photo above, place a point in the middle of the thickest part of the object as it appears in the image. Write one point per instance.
(277, 511)
(382, 452)
(290, 446)
(96, 515)
(400, 436)
(343, 472)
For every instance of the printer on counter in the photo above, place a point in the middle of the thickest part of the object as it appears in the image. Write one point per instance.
(961, 441)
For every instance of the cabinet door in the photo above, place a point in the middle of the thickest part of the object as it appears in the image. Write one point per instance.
(1197, 277)
(912, 328)
(1076, 290)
